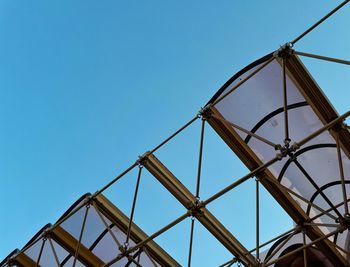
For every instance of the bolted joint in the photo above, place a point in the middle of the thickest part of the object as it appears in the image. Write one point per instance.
(278, 147)
(205, 113)
(87, 200)
(339, 126)
(258, 177)
(124, 250)
(287, 150)
(344, 223)
(47, 231)
(294, 147)
(284, 51)
(279, 156)
(287, 143)
(196, 209)
(200, 113)
(300, 227)
(283, 153)
(142, 159)
(130, 258)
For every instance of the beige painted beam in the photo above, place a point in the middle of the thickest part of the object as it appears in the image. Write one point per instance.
(23, 260)
(187, 199)
(69, 243)
(316, 99)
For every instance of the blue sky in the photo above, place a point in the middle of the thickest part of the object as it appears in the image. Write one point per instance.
(87, 86)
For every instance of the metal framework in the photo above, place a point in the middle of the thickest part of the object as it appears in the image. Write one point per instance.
(320, 222)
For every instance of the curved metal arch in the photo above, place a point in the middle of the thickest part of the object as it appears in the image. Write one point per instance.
(271, 115)
(322, 188)
(238, 75)
(298, 153)
(275, 245)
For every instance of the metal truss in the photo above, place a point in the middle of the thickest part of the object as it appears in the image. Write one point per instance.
(195, 208)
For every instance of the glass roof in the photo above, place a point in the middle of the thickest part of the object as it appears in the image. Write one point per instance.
(312, 173)
(275, 118)
(101, 239)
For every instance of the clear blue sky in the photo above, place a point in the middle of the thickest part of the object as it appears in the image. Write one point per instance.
(87, 86)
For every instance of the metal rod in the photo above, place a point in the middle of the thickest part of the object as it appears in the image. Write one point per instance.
(324, 128)
(60, 221)
(174, 134)
(116, 179)
(285, 101)
(281, 246)
(341, 172)
(40, 252)
(134, 256)
(54, 252)
(80, 236)
(200, 159)
(322, 224)
(304, 250)
(257, 220)
(302, 247)
(191, 243)
(133, 205)
(151, 259)
(149, 256)
(328, 210)
(271, 240)
(30, 245)
(228, 262)
(137, 263)
(304, 199)
(262, 139)
(243, 81)
(145, 241)
(238, 182)
(260, 246)
(319, 22)
(340, 248)
(336, 60)
(106, 225)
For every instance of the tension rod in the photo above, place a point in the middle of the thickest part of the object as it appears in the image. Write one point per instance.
(319, 22)
(133, 205)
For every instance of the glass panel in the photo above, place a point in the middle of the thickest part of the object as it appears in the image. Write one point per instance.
(257, 97)
(34, 250)
(60, 251)
(107, 249)
(74, 223)
(145, 260)
(94, 226)
(47, 257)
(70, 262)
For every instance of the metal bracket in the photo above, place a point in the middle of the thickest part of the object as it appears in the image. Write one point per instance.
(284, 51)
